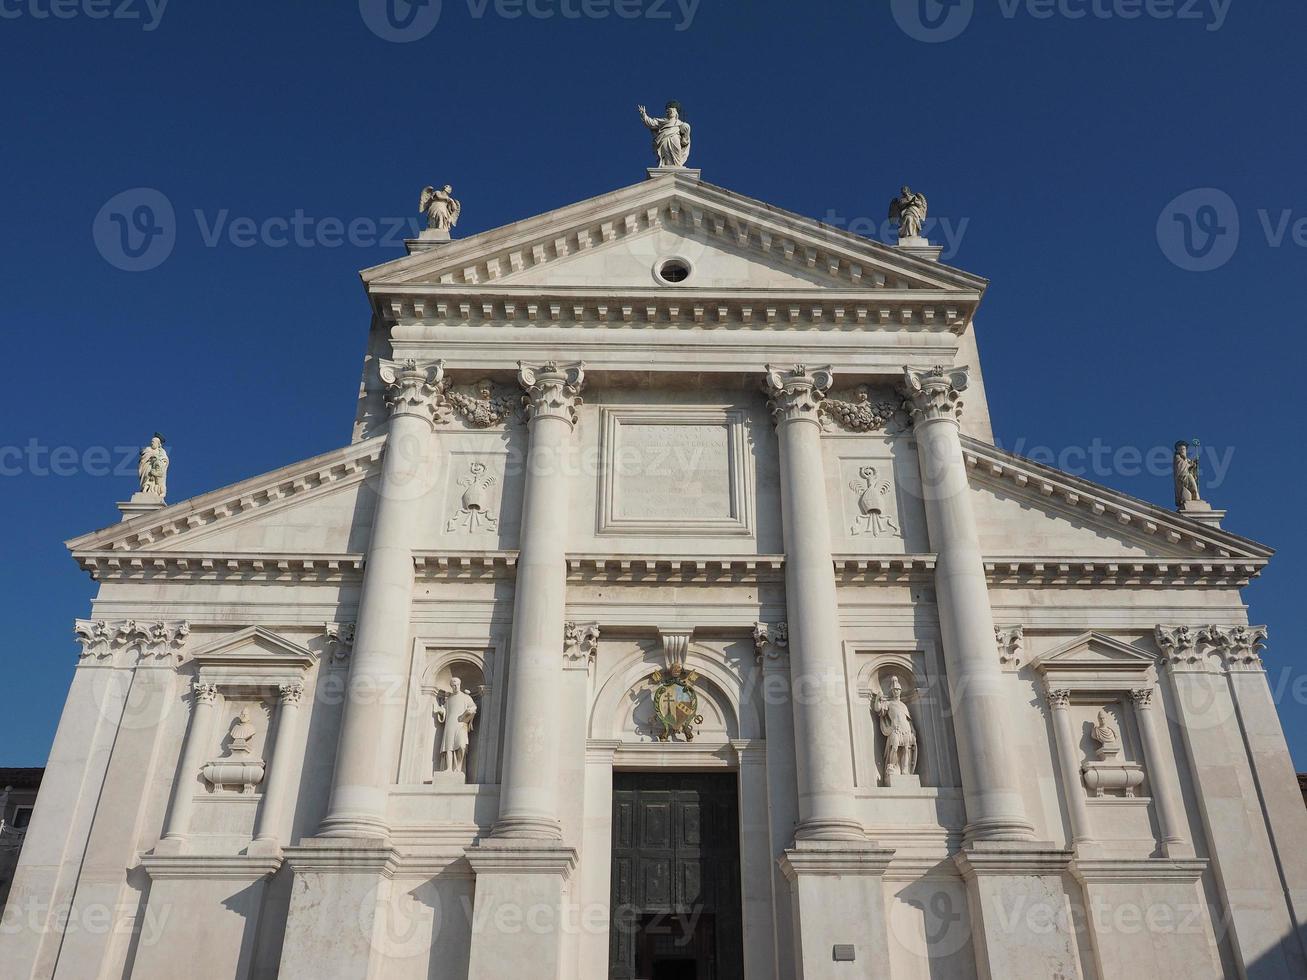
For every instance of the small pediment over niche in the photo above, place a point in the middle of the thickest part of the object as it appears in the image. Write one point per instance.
(1095, 653)
(255, 648)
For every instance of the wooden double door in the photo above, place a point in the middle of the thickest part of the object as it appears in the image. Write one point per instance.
(676, 877)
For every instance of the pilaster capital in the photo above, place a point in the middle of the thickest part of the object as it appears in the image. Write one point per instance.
(1011, 645)
(204, 693)
(935, 394)
(291, 692)
(580, 644)
(414, 388)
(339, 641)
(553, 390)
(131, 641)
(796, 395)
(1239, 646)
(1179, 644)
(1059, 698)
(771, 641)
(1143, 697)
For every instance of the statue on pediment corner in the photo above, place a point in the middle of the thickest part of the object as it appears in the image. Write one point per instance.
(152, 469)
(440, 208)
(909, 210)
(1187, 475)
(671, 141)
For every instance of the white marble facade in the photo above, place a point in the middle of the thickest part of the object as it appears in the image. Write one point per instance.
(760, 470)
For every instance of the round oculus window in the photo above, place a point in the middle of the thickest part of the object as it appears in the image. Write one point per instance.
(673, 271)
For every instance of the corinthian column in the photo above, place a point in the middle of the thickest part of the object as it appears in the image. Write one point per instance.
(822, 740)
(989, 771)
(374, 709)
(528, 798)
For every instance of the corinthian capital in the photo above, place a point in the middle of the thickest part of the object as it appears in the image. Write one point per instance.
(1239, 646)
(796, 395)
(553, 391)
(935, 393)
(414, 388)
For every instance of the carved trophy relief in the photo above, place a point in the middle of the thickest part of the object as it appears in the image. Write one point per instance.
(240, 769)
(875, 505)
(454, 714)
(896, 725)
(474, 512)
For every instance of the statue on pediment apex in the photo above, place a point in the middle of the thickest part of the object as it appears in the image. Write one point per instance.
(671, 140)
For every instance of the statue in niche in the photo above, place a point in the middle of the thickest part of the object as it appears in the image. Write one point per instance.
(474, 514)
(909, 210)
(874, 496)
(671, 140)
(454, 712)
(1107, 733)
(896, 726)
(1187, 476)
(441, 209)
(153, 468)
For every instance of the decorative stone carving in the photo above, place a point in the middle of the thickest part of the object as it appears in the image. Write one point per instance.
(1187, 473)
(676, 645)
(152, 469)
(676, 702)
(771, 641)
(454, 713)
(935, 394)
(441, 210)
(1239, 646)
(473, 514)
(861, 414)
(158, 640)
(796, 395)
(1179, 644)
(552, 390)
(900, 735)
(482, 405)
(240, 768)
(580, 643)
(909, 210)
(340, 641)
(291, 692)
(1059, 699)
(415, 389)
(1142, 697)
(1108, 771)
(205, 693)
(875, 505)
(671, 135)
(1011, 643)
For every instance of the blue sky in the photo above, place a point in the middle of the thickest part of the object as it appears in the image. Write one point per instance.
(1054, 139)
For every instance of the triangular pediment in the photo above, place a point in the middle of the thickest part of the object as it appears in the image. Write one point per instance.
(1094, 651)
(1024, 508)
(732, 242)
(321, 492)
(254, 646)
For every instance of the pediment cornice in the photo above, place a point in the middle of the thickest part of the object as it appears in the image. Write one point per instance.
(1117, 513)
(481, 270)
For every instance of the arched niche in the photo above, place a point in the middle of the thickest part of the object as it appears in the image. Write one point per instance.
(434, 682)
(877, 677)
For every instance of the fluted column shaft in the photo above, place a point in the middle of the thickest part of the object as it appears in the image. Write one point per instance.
(270, 829)
(193, 752)
(823, 742)
(990, 778)
(373, 716)
(528, 796)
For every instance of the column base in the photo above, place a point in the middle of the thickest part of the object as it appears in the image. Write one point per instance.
(831, 829)
(336, 925)
(527, 828)
(999, 830)
(838, 898)
(198, 902)
(1020, 912)
(357, 827)
(518, 915)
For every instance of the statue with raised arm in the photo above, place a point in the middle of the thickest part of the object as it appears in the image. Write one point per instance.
(909, 210)
(671, 141)
(1186, 476)
(454, 713)
(153, 468)
(441, 209)
(896, 726)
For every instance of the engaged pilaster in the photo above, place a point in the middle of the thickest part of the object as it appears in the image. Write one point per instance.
(529, 793)
(823, 743)
(989, 772)
(373, 716)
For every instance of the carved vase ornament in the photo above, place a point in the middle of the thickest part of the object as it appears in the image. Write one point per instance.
(676, 702)
(240, 768)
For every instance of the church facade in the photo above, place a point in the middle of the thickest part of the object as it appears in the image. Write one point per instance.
(670, 613)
